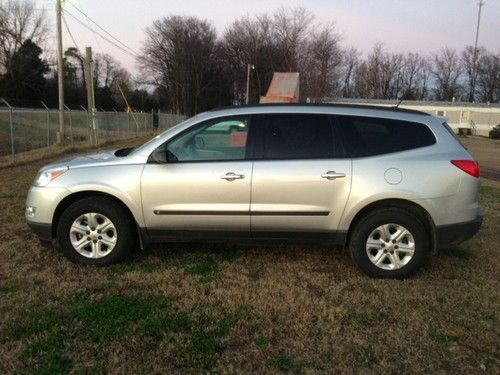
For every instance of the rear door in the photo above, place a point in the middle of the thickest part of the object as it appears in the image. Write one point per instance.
(300, 181)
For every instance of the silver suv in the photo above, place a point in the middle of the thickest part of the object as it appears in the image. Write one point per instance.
(391, 184)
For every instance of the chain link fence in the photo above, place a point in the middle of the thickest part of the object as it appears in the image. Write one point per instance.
(24, 131)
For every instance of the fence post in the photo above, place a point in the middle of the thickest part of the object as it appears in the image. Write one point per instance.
(48, 123)
(70, 123)
(11, 125)
(89, 131)
(94, 126)
(12, 149)
(128, 124)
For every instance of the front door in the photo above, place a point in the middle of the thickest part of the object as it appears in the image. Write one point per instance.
(204, 182)
(299, 184)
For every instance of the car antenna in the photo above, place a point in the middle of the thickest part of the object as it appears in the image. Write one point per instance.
(397, 105)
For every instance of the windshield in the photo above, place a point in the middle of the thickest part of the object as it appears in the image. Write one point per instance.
(172, 128)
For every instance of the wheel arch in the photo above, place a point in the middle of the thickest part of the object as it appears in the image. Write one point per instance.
(74, 197)
(413, 208)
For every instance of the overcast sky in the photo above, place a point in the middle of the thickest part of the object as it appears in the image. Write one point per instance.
(422, 26)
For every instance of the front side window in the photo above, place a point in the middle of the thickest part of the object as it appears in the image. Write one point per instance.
(220, 139)
(297, 136)
(367, 136)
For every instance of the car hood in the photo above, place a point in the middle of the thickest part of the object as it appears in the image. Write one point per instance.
(102, 157)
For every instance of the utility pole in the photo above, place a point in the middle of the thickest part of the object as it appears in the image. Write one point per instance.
(60, 72)
(249, 66)
(89, 78)
(480, 5)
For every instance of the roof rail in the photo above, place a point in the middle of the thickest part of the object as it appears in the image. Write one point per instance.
(333, 105)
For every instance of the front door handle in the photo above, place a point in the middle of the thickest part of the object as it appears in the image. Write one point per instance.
(332, 175)
(231, 176)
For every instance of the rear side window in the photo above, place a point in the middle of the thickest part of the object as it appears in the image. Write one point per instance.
(367, 136)
(297, 136)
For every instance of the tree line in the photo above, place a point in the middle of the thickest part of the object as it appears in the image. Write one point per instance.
(185, 66)
(28, 74)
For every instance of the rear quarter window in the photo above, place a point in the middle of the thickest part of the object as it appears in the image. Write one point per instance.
(368, 136)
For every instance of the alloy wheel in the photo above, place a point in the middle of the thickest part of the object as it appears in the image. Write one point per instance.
(390, 246)
(93, 235)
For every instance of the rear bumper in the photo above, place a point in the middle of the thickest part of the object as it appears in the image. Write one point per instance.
(43, 231)
(453, 234)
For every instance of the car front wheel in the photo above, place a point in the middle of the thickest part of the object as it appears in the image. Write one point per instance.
(96, 231)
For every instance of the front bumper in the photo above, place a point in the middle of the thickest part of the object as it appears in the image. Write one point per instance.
(453, 234)
(43, 231)
(41, 204)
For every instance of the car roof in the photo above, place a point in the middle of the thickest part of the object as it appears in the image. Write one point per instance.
(269, 106)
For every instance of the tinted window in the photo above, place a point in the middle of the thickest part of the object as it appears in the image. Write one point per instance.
(297, 136)
(221, 139)
(366, 136)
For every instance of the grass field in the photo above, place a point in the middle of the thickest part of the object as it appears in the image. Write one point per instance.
(220, 309)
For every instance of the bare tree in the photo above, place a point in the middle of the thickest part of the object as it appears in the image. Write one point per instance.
(470, 66)
(288, 40)
(321, 67)
(291, 29)
(20, 20)
(179, 55)
(488, 82)
(378, 77)
(447, 71)
(249, 41)
(414, 77)
(108, 71)
(351, 60)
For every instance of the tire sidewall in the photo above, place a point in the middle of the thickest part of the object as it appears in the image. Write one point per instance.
(377, 218)
(114, 212)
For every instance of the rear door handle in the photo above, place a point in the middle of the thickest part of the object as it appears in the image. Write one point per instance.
(231, 176)
(332, 175)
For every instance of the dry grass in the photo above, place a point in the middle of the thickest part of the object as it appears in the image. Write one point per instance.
(186, 308)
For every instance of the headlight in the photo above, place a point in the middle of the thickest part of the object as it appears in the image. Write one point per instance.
(46, 177)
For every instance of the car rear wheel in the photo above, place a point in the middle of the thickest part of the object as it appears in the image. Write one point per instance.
(389, 243)
(96, 231)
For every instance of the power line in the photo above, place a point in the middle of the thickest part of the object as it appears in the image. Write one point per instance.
(70, 34)
(93, 33)
(102, 36)
(103, 29)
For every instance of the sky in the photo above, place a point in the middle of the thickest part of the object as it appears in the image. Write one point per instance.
(423, 26)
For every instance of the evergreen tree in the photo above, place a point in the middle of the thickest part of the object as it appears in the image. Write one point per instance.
(24, 79)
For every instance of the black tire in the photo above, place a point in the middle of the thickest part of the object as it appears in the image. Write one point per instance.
(126, 230)
(363, 229)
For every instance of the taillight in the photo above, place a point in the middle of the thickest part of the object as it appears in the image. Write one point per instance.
(468, 166)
